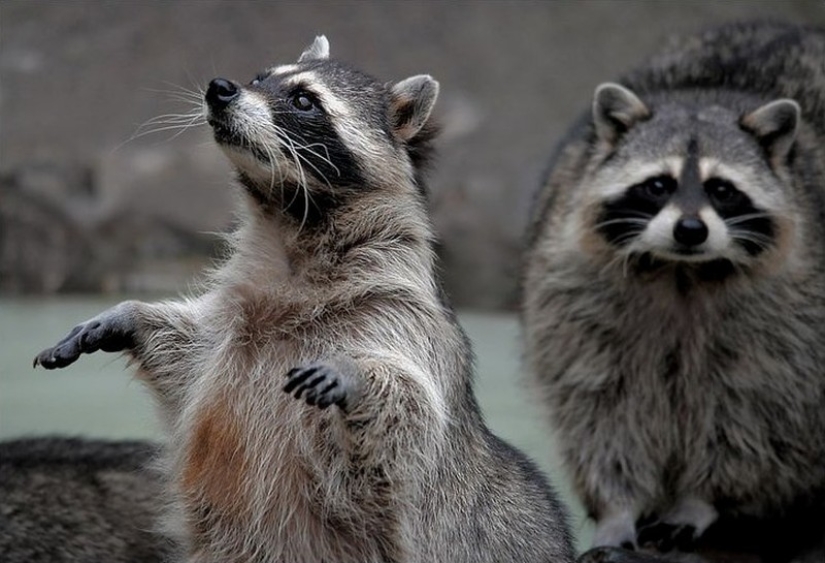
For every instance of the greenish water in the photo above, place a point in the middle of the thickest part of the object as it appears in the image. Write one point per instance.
(98, 397)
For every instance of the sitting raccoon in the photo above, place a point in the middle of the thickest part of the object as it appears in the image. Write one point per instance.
(674, 289)
(319, 393)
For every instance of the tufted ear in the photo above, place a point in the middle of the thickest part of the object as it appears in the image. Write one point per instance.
(774, 125)
(318, 50)
(411, 103)
(615, 110)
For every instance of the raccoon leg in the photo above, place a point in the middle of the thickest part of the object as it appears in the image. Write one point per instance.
(154, 334)
(680, 527)
(616, 528)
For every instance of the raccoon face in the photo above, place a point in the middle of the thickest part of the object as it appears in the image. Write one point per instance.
(317, 127)
(690, 183)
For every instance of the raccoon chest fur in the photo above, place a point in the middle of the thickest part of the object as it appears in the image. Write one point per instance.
(250, 459)
(682, 388)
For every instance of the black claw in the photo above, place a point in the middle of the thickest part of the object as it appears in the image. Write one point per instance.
(332, 385)
(297, 376)
(312, 383)
(309, 386)
(317, 385)
(311, 397)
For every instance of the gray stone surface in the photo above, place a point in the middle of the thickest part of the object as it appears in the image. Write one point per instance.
(79, 77)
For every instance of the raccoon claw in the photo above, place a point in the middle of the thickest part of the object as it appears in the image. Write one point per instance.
(91, 336)
(666, 537)
(321, 385)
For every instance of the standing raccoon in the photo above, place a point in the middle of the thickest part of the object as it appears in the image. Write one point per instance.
(318, 396)
(674, 292)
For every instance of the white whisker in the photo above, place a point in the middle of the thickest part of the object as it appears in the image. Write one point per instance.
(627, 221)
(732, 221)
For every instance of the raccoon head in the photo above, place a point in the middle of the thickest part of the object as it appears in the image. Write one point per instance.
(690, 181)
(310, 133)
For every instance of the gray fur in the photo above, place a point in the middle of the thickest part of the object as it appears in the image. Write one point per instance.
(682, 390)
(318, 394)
(774, 123)
(70, 500)
(616, 109)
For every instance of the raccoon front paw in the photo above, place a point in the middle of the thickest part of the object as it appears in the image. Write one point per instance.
(665, 537)
(108, 332)
(680, 527)
(320, 384)
(616, 530)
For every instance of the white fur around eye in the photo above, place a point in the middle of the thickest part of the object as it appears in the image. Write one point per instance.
(718, 238)
(615, 182)
(365, 144)
(659, 232)
(332, 104)
(284, 69)
(745, 181)
(251, 109)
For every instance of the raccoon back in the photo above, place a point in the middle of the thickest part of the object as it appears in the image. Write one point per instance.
(65, 499)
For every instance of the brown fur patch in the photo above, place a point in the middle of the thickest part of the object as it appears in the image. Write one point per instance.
(592, 242)
(215, 466)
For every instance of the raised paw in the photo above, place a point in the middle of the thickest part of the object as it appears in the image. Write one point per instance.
(665, 537)
(105, 332)
(319, 384)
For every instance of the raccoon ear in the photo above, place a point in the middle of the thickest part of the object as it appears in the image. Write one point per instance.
(411, 103)
(615, 110)
(318, 50)
(774, 126)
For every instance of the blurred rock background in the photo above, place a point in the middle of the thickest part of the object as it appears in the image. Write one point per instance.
(91, 201)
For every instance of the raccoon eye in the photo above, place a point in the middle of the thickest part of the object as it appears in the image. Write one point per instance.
(303, 101)
(719, 189)
(660, 186)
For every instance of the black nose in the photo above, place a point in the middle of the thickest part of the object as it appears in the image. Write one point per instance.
(690, 231)
(220, 93)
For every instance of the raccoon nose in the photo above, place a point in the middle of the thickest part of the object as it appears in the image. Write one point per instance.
(690, 231)
(220, 93)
